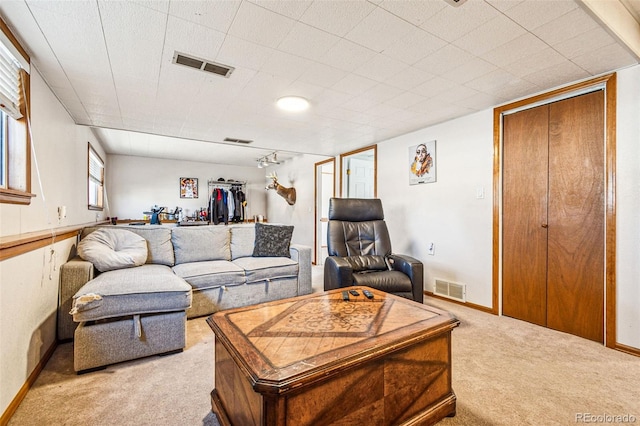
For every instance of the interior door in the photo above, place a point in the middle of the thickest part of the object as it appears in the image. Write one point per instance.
(553, 215)
(525, 170)
(360, 178)
(576, 216)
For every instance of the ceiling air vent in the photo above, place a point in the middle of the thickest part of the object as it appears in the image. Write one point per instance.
(236, 140)
(455, 3)
(202, 64)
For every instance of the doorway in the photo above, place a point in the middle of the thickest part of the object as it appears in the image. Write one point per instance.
(606, 290)
(324, 190)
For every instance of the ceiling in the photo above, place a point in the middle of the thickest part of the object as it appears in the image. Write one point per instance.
(372, 70)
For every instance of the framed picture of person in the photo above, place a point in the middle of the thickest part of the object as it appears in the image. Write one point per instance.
(188, 187)
(422, 163)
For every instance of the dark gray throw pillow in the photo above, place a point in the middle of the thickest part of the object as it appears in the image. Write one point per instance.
(272, 240)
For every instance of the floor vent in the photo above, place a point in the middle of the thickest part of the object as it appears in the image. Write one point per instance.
(202, 64)
(451, 290)
(236, 140)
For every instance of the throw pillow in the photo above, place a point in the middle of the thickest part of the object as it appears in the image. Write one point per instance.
(272, 240)
(110, 249)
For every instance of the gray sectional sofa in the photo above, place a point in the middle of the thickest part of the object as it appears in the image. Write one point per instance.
(133, 311)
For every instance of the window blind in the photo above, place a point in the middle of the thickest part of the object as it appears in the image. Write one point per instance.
(9, 83)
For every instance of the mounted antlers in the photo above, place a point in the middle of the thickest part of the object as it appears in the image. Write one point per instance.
(289, 194)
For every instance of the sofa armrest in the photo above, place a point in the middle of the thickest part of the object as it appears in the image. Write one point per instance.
(337, 273)
(414, 269)
(73, 275)
(302, 255)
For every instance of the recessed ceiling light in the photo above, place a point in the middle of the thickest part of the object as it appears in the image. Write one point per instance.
(293, 103)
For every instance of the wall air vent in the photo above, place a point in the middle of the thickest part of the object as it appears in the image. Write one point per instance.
(451, 290)
(202, 64)
(236, 140)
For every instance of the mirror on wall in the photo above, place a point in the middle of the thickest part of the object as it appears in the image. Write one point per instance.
(358, 173)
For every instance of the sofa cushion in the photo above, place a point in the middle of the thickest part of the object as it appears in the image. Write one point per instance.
(272, 240)
(113, 248)
(267, 268)
(242, 240)
(141, 290)
(210, 274)
(159, 247)
(200, 243)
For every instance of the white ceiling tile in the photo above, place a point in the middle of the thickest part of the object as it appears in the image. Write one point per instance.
(405, 100)
(584, 43)
(379, 30)
(565, 27)
(490, 35)
(434, 86)
(532, 14)
(557, 75)
(354, 84)
(307, 42)
(504, 5)
(470, 71)
(134, 36)
(451, 23)
(381, 68)
(445, 59)
(382, 92)
(515, 50)
(336, 17)
(414, 11)
(286, 65)
(236, 52)
(490, 83)
(193, 40)
(536, 62)
(516, 88)
(213, 14)
(414, 46)
(290, 8)
(330, 98)
(409, 78)
(323, 75)
(346, 55)
(259, 25)
(605, 59)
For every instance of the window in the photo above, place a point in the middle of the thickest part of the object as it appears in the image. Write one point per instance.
(96, 180)
(15, 159)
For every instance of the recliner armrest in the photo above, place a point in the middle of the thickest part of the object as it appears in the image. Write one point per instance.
(414, 269)
(337, 273)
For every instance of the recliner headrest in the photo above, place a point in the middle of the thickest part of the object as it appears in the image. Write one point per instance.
(355, 209)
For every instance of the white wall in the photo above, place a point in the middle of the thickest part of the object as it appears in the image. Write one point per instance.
(135, 184)
(29, 282)
(299, 173)
(628, 208)
(446, 212)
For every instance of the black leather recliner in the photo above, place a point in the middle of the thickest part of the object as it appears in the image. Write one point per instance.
(360, 251)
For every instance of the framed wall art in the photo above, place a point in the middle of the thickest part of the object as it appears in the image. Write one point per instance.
(422, 163)
(188, 187)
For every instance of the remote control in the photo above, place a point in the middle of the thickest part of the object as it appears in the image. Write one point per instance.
(345, 296)
(354, 293)
(368, 294)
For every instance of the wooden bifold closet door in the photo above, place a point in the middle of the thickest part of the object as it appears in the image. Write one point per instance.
(553, 215)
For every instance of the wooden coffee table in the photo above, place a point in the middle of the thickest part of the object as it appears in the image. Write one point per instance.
(319, 360)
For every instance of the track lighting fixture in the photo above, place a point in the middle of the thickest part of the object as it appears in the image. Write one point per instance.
(268, 160)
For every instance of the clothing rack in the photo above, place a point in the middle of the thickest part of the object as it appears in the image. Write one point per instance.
(219, 211)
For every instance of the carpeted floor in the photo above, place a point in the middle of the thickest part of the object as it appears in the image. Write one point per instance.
(505, 372)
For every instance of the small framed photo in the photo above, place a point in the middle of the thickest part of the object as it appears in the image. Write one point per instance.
(422, 163)
(188, 187)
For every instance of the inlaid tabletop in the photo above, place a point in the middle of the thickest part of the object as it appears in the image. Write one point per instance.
(281, 340)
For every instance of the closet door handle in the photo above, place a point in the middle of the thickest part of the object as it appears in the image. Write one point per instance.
(544, 225)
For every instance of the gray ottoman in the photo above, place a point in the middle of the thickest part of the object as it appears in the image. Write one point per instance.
(129, 313)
